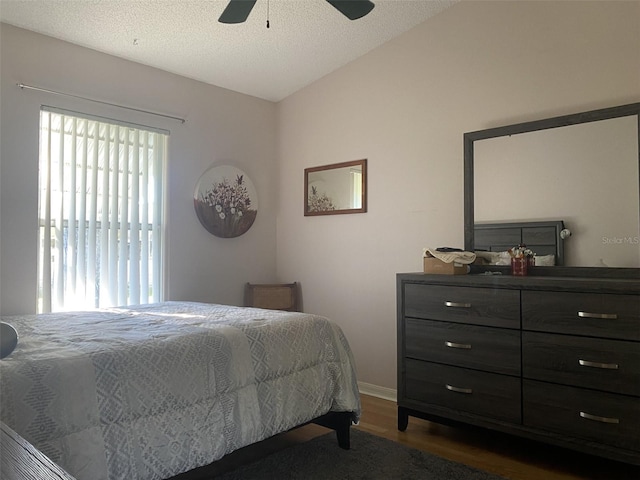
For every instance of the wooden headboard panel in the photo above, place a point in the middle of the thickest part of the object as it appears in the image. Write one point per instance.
(543, 238)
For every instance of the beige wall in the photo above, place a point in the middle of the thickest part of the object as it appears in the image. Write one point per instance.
(405, 107)
(223, 127)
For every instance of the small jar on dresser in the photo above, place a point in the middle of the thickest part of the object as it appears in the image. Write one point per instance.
(555, 359)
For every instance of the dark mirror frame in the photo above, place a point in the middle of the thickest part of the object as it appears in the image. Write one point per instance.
(561, 121)
(333, 166)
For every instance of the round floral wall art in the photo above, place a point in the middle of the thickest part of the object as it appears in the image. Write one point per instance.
(225, 201)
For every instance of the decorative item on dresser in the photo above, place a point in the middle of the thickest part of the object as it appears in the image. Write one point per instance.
(550, 358)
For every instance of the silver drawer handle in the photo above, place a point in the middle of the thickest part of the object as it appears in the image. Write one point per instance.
(610, 366)
(608, 316)
(458, 389)
(457, 305)
(588, 416)
(457, 345)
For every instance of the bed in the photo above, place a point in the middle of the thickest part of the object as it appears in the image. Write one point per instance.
(151, 391)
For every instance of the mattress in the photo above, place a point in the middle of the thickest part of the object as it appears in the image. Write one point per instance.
(151, 391)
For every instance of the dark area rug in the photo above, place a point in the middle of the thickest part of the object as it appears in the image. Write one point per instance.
(370, 457)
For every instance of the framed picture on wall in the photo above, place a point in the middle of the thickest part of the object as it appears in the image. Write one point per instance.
(225, 201)
(336, 188)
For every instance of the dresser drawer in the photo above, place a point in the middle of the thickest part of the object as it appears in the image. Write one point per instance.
(579, 413)
(596, 315)
(480, 306)
(486, 394)
(610, 365)
(483, 348)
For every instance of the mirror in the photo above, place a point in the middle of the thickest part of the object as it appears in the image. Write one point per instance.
(336, 189)
(583, 169)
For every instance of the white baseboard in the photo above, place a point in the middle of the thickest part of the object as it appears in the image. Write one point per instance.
(376, 391)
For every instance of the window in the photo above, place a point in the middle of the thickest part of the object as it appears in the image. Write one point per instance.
(100, 212)
(356, 187)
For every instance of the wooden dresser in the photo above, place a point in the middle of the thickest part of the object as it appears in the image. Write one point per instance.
(555, 359)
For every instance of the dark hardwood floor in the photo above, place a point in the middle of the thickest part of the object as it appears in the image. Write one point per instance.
(505, 455)
(509, 456)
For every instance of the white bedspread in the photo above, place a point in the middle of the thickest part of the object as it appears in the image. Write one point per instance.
(150, 391)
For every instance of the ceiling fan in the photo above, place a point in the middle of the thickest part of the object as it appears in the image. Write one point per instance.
(237, 11)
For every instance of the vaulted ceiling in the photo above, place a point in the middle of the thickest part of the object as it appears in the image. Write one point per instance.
(306, 39)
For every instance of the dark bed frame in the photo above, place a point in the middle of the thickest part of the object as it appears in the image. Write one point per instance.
(338, 421)
(341, 423)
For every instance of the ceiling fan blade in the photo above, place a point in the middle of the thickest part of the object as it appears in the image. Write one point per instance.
(353, 9)
(237, 11)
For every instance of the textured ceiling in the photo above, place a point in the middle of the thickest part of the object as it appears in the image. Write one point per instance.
(307, 39)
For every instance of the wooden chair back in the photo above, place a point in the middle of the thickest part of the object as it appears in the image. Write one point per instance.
(273, 296)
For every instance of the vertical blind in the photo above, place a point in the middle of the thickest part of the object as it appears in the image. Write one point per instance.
(100, 213)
